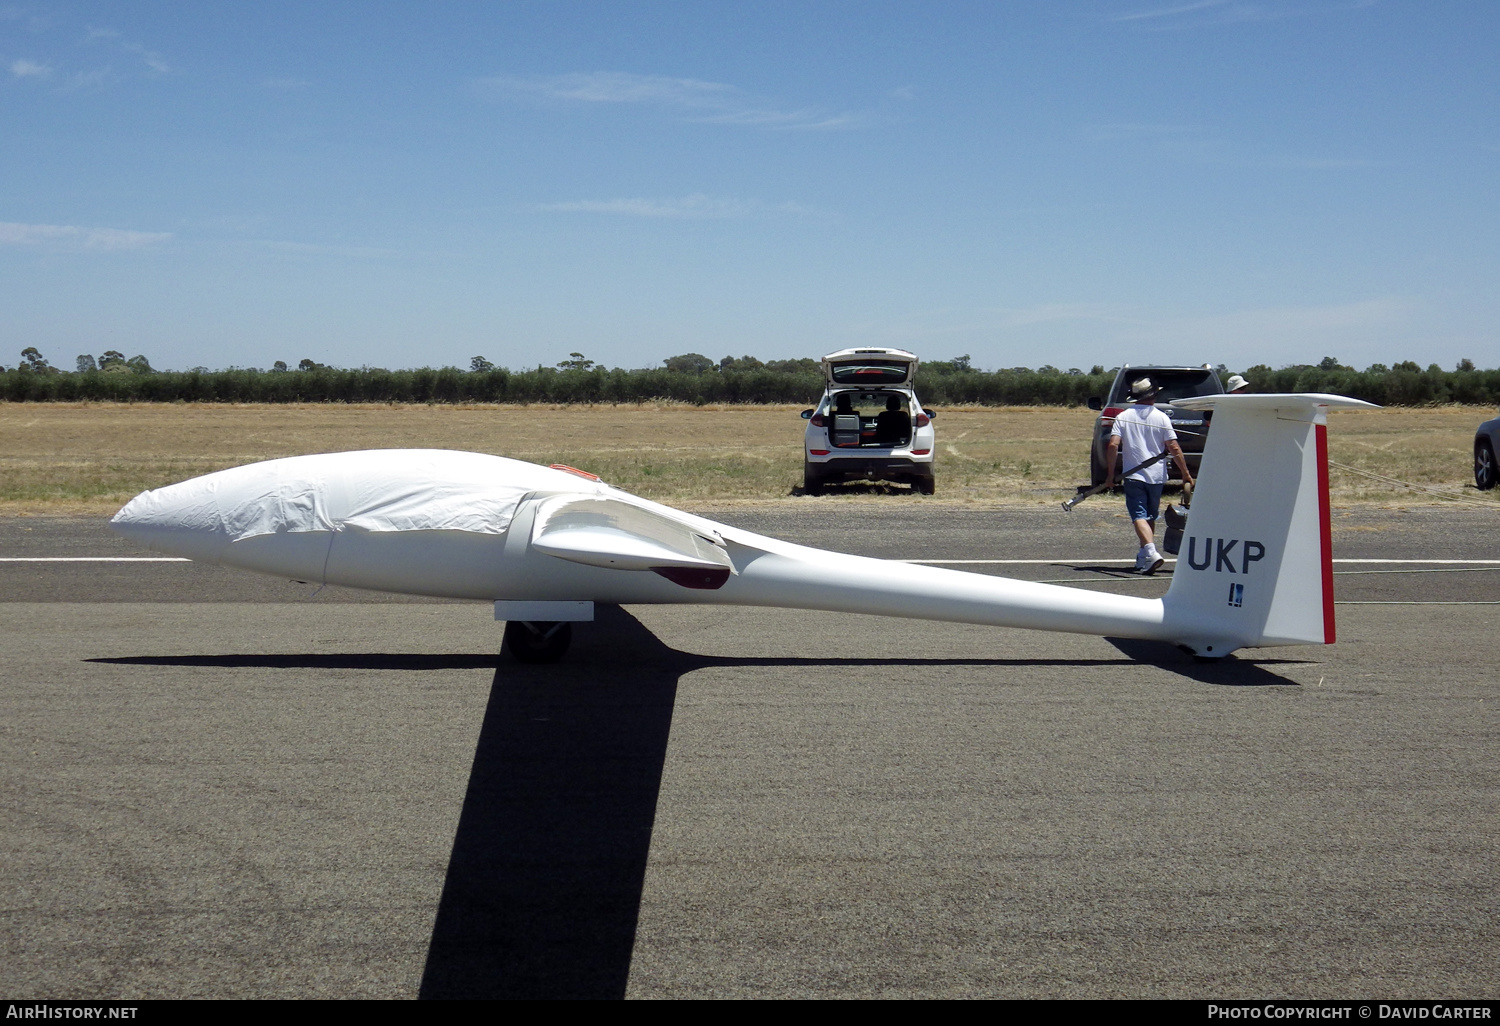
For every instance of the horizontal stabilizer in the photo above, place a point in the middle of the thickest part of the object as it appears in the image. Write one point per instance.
(1301, 406)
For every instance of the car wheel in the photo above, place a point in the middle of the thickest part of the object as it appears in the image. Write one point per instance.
(926, 485)
(1096, 469)
(1484, 466)
(538, 642)
(812, 481)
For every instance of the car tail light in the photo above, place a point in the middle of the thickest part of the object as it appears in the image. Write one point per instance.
(819, 452)
(920, 452)
(817, 420)
(923, 420)
(1111, 412)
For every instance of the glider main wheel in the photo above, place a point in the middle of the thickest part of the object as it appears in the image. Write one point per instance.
(538, 642)
(1484, 466)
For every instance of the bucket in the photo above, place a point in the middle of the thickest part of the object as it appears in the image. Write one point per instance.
(1176, 525)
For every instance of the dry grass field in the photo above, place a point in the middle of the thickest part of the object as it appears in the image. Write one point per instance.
(92, 457)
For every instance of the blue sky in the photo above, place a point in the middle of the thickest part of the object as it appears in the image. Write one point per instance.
(1092, 182)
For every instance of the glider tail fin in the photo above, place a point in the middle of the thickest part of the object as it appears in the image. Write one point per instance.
(1256, 564)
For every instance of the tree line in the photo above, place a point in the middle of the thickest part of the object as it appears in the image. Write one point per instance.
(688, 378)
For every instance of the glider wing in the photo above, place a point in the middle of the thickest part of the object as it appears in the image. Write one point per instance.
(618, 535)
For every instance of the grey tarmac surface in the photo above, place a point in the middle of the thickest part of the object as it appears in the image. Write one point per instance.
(225, 785)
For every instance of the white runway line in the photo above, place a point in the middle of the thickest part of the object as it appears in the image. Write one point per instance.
(93, 559)
(1112, 559)
(1445, 570)
(1011, 562)
(1065, 561)
(1475, 563)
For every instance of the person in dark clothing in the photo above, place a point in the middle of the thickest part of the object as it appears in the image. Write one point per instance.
(893, 426)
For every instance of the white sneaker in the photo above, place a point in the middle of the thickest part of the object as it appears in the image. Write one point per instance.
(1153, 560)
(1142, 561)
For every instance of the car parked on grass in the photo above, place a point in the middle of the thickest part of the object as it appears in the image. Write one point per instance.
(1171, 383)
(869, 424)
(1486, 444)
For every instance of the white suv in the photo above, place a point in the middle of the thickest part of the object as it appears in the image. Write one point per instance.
(869, 423)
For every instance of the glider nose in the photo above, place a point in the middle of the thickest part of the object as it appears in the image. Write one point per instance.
(172, 520)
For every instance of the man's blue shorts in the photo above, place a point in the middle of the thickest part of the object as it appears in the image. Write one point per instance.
(1142, 500)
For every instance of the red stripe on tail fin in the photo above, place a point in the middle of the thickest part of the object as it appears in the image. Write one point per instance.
(1325, 524)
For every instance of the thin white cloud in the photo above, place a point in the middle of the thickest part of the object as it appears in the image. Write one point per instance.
(29, 69)
(1088, 333)
(1197, 145)
(1300, 323)
(987, 322)
(1278, 322)
(34, 22)
(96, 79)
(1202, 12)
(694, 99)
(620, 87)
(1167, 12)
(74, 238)
(150, 58)
(1215, 153)
(696, 206)
(1051, 313)
(319, 249)
(1137, 130)
(1319, 163)
(1277, 335)
(123, 59)
(1311, 326)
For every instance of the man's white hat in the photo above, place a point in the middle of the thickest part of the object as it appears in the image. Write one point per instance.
(1142, 388)
(1236, 383)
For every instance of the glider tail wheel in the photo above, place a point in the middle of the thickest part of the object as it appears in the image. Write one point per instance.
(538, 642)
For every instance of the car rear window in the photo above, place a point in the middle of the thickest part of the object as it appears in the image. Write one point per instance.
(1170, 384)
(870, 372)
(868, 403)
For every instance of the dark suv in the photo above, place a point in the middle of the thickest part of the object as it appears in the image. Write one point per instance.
(1171, 383)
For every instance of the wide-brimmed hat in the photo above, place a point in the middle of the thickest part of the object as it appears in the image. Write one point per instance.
(1142, 388)
(1236, 383)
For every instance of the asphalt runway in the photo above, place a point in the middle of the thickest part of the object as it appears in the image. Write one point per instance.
(222, 785)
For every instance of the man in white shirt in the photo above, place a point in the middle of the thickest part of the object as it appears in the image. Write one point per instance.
(1142, 431)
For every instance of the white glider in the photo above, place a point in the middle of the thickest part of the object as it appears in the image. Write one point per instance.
(545, 544)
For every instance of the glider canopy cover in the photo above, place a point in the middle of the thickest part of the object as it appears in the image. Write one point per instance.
(377, 490)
